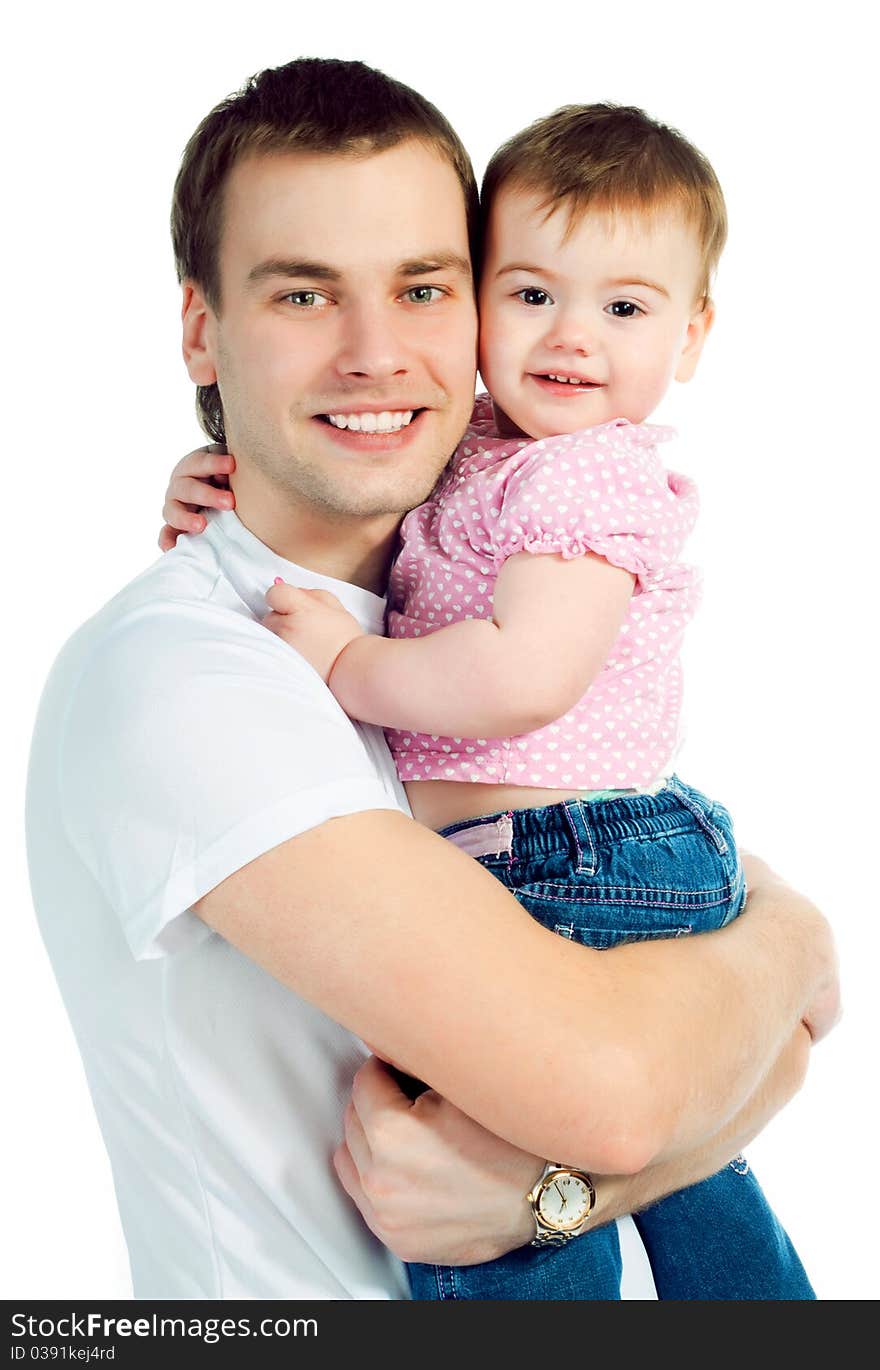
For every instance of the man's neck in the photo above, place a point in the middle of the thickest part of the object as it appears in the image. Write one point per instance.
(349, 548)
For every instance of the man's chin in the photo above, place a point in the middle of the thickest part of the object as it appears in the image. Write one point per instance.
(375, 497)
(395, 502)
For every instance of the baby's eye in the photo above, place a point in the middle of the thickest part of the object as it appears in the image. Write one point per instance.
(624, 309)
(534, 295)
(423, 294)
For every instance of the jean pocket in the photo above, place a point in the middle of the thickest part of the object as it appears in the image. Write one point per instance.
(663, 873)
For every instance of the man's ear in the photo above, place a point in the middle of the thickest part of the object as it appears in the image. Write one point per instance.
(697, 332)
(198, 335)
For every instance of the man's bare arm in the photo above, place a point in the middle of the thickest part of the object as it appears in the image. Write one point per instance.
(610, 1059)
(435, 1186)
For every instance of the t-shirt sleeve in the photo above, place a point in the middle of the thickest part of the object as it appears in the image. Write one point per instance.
(189, 750)
(601, 491)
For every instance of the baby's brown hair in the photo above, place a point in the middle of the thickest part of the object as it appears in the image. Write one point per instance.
(615, 158)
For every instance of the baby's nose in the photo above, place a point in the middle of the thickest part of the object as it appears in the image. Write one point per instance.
(572, 333)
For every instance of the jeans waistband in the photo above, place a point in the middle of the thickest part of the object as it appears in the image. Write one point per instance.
(530, 834)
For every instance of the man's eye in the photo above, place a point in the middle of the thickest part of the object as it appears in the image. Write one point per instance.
(532, 295)
(423, 294)
(305, 299)
(624, 309)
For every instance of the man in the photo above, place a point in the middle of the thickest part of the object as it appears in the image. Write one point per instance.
(226, 876)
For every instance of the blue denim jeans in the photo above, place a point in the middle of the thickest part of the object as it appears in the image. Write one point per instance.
(606, 872)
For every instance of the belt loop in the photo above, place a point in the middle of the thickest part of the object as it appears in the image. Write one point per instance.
(576, 813)
(696, 810)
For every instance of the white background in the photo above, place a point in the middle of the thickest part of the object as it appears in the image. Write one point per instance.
(779, 427)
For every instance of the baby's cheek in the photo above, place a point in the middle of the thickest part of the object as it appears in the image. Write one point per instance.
(492, 352)
(502, 369)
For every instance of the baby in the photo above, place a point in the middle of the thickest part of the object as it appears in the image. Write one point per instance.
(530, 682)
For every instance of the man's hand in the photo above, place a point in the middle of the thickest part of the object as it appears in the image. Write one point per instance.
(432, 1184)
(824, 1010)
(436, 1187)
(200, 480)
(312, 621)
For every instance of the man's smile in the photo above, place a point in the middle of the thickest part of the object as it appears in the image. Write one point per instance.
(369, 421)
(368, 429)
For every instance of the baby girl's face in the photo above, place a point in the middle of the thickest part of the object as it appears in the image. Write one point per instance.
(611, 306)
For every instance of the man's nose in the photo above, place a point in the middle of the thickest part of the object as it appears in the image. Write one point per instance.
(372, 345)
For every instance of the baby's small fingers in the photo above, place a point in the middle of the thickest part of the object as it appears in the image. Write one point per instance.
(185, 518)
(285, 598)
(326, 597)
(205, 461)
(200, 493)
(274, 622)
(223, 460)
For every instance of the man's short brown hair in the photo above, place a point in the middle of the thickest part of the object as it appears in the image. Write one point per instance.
(615, 158)
(309, 105)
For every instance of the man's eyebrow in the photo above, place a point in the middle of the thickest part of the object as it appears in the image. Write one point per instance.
(300, 268)
(292, 268)
(435, 261)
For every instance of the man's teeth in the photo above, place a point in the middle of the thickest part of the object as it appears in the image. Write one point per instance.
(568, 380)
(386, 422)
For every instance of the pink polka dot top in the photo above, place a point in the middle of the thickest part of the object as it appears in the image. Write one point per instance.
(601, 490)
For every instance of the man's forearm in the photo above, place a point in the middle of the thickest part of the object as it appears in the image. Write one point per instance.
(435, 1186)
(613, 1059)
(760, 976)
(621, 1194)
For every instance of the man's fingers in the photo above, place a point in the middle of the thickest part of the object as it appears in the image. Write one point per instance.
(350, 1181)
(346, 1170)
(167, 539)
(374, 1091)
(356, 1139)
(756, 870)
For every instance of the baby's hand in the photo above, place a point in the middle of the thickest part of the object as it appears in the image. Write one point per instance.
(200, 480)
(312, 621)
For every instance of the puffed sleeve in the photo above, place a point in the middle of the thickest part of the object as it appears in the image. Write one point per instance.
(601, 490)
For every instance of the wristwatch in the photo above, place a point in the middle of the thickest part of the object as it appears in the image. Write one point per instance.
(562, 1202)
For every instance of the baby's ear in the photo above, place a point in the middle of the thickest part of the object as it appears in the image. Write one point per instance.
(697, 332)
(197, 317)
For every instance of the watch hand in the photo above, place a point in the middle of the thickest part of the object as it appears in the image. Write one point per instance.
(559, 1192)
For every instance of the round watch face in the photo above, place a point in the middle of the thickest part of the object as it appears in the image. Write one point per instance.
(564, 1201)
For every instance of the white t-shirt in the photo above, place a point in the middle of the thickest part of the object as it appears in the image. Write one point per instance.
(176, 741)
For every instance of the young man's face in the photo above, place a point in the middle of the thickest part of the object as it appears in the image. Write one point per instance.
(611, 306)
(345, 342)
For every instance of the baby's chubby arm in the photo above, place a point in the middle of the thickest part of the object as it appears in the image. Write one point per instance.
(554, 622)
